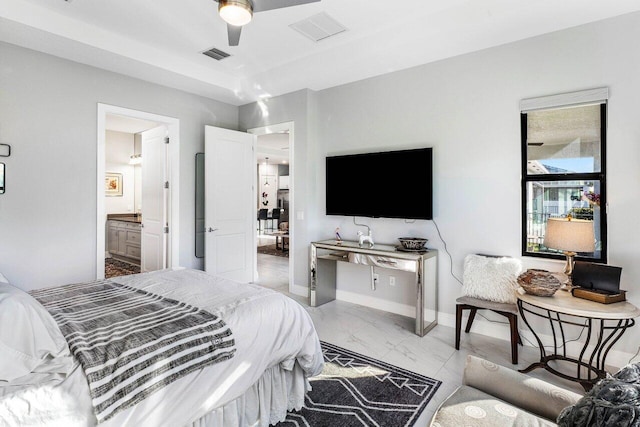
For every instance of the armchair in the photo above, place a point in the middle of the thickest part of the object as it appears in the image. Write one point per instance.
(493, 396)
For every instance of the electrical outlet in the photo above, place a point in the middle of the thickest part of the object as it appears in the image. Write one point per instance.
(376, 277)
(392, 281)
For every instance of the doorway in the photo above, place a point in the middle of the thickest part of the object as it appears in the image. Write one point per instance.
(127, 237)
(274, 192)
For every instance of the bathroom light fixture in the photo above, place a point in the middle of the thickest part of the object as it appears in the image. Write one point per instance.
(135, 159)
(235, 12)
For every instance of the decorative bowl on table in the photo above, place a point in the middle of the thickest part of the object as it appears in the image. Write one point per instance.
(539, 282)
(413, 243)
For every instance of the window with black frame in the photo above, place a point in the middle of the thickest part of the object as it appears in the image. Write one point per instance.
(564, 168)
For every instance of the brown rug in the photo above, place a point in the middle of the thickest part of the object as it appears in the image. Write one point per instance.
(115, 268)
(271, 250)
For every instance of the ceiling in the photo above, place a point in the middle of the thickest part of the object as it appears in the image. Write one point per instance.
(162, 40)
(275, 146)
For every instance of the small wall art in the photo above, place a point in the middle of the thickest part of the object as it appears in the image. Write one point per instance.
(113, 184)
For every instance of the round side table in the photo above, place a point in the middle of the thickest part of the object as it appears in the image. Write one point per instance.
(604, 325)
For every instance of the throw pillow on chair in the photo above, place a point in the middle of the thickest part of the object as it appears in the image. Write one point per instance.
(491, 278)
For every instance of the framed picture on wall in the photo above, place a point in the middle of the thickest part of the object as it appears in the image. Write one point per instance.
(113, 184)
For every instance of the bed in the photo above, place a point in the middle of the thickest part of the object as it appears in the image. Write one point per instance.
(262, 372)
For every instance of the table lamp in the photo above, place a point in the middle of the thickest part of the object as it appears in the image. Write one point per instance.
(570, 236)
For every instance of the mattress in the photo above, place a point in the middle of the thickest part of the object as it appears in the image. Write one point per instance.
(277, 349)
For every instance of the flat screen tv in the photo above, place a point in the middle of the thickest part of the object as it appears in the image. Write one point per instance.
(388, 184)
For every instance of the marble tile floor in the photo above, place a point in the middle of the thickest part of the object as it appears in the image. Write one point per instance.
(273, 272)
(390, 338)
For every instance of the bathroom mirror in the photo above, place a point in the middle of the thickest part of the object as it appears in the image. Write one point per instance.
(199, 205)
(1, 178)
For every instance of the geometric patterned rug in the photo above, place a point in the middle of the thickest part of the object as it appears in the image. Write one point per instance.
(356, 390)
(115, 268)
(271, 250)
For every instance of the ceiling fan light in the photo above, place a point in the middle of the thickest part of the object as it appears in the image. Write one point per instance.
(235, 12)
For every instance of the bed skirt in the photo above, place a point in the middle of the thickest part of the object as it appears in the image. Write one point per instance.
(277, 391)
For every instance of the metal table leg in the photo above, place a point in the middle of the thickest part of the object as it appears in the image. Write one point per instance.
(592, 361)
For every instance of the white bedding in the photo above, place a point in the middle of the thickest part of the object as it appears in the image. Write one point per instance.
(272, 333)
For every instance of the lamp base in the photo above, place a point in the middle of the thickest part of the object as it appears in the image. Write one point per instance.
(568, 268)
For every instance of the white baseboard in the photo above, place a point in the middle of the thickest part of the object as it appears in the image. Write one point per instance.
(377, 303)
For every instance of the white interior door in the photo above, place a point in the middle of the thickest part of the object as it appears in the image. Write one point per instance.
(230, 213)
(154, 200)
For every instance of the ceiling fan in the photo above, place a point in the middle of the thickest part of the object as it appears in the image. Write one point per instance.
(237, 13)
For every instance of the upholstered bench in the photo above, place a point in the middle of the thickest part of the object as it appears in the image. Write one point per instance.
(492, 395)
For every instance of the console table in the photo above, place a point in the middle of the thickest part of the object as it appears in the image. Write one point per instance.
(604, 325)
(324, 256)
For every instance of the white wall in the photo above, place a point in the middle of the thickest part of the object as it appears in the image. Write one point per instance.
(48, 113)
(119, 147)
(298, 107)
(467, 108)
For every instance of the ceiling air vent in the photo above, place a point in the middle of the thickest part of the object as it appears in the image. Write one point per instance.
(318, 27)
(216, 54)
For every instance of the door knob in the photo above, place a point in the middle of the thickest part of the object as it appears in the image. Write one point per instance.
(210, 230)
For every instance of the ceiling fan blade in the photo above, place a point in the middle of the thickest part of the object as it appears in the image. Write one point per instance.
(234, 34)
(262, 5)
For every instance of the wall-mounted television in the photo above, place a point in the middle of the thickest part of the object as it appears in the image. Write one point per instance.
(387, 184)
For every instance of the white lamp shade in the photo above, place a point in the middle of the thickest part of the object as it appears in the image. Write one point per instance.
(575, 235)
(235, 12)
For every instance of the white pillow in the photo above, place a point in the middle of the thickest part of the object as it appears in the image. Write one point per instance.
(3, 279)
(491, 278)
(29, 336)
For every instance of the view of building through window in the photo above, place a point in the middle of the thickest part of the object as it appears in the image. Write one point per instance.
(564, 173)
(549, 199)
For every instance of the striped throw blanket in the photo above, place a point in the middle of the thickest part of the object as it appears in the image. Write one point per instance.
(131, 343)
